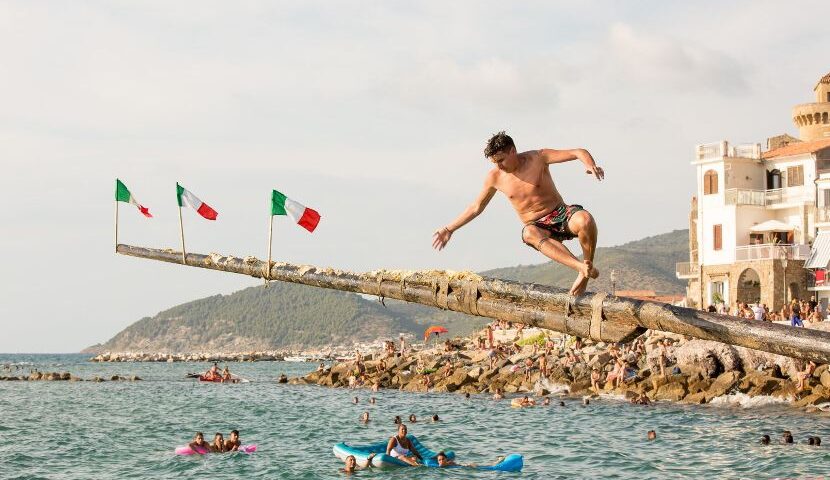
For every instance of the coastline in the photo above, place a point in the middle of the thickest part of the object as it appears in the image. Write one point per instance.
(694, 371)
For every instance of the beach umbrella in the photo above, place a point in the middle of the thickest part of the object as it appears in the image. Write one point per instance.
(434, 329)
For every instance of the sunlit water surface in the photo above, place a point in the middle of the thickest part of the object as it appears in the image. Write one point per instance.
(124, 430)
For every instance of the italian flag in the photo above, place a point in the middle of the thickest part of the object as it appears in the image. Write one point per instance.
(186, 198)
(302, 215)
(122, 194)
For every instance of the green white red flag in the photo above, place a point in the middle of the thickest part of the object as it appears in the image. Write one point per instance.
(186, 198)
(122, 194)
(303, 216)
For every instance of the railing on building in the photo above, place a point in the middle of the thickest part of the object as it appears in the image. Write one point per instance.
(687, 270)
(766, 198)
(722, 149)
(772, 251)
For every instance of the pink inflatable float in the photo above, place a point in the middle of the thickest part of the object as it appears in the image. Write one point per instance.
(186, 450)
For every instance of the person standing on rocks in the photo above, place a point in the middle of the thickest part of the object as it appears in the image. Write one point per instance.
(548, 221)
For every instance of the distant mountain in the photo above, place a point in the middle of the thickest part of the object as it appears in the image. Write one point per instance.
(286, 315)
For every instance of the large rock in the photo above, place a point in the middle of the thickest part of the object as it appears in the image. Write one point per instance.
(475, 372)
(759, 383)
(825, 378)
(457, 380)
(812, 399)
(711, 358)
(673, 391)
(722, 385)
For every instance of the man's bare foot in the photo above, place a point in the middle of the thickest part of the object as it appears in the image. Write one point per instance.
(580, 284)
(590, 271)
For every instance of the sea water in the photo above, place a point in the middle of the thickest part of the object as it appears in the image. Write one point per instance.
(119, 430)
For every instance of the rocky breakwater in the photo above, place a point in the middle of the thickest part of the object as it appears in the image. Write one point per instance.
(66, 377)
(188, 357)
(657, 367)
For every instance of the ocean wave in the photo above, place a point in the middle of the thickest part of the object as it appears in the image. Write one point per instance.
(745, 401)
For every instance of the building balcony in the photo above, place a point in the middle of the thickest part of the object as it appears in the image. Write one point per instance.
(686, 270)
(718, 150)
(771, 251)
(778, 197)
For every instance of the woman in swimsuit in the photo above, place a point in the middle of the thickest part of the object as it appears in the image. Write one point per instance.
(401, 448)
(218, 445)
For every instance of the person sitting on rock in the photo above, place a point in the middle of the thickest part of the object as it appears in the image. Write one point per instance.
(595, 378)
(218, 444)
(401, 448)
(803, 375)
(233, 442)
(198, 444)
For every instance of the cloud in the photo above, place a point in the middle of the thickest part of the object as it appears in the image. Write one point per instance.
(663, 62)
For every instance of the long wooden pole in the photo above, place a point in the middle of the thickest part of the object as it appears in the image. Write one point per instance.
(181, 231)
(116, 226)
(270, 235)
(592, 315)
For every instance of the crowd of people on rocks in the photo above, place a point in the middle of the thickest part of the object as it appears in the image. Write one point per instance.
(797, 312)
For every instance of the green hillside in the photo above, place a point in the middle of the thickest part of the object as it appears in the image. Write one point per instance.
(286, 315)
(647, 264)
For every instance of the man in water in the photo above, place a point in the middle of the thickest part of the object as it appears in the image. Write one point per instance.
(443, 461)
(548, 221)
(198, 444)
(233, 442)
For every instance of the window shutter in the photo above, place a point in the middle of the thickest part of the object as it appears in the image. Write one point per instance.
(718, 239)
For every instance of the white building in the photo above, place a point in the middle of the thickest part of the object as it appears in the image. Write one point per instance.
(756, 214)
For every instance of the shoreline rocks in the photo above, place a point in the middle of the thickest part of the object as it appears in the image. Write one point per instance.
(64, 377)
(270, 356)
(696, 371)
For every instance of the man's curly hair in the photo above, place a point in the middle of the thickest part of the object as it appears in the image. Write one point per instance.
(498, 143)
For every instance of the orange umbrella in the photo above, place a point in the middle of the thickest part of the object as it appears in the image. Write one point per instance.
(434, 329)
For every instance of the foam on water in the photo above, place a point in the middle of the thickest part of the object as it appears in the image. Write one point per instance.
(743, 400)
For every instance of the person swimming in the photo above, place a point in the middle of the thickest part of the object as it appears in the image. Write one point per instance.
(443, 461)
(546, 401)
(218, 444)
(198, 444)
(765, 440)
(351, 463)
(398, 420)
(355, 400)
(651, 435)
(435, 418)
(233, 442)
(401, 448)
(364, 418)
(413, 418)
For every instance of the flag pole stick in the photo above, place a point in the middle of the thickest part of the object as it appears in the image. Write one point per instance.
(181, 230)
(270, 235)
(116, 225)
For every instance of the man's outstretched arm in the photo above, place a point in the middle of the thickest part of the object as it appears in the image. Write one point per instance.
(443, 234)
(550, 156)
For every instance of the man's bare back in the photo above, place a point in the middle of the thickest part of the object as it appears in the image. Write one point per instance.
(526, 181)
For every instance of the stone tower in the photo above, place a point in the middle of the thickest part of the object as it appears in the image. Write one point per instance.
(812, 118)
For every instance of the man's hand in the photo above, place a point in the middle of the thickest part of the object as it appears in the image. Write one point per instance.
(441, 237)
(596, 171)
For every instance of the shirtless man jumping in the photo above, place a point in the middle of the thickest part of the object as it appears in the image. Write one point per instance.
(548, 220)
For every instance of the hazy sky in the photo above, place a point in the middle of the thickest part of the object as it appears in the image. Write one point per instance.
(374, 113)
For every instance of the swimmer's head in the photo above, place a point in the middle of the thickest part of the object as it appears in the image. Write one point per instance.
(546, 401)
(397, 420)
(561, 403)
(351, 463)
(441, 458)
(354, 400)
(412, 418)
(199, 437)
(234, 435)
(765, 440)
(585, 401)
(651, 435)
(435, 418)
(218, 437)
(817, 441)
(467, 395)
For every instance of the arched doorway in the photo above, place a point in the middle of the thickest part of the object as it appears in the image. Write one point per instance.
(749, 286)
(795, 291)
